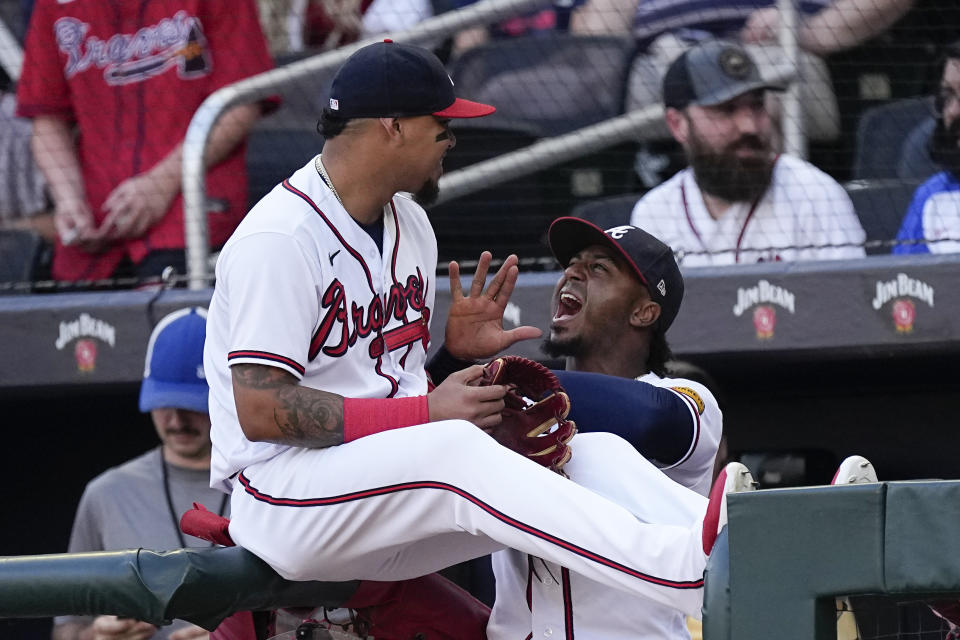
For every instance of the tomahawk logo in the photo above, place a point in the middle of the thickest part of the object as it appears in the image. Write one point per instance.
(618, 232)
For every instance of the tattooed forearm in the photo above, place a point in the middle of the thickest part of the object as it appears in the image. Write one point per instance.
(309, 418)
(255, 376)
(287, 412)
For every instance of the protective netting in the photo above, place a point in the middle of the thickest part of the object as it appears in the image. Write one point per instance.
(871, 90)
(889, 617)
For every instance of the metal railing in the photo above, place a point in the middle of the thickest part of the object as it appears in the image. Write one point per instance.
(794, 140)
(269, 83)
(11, 54)
(541, 155)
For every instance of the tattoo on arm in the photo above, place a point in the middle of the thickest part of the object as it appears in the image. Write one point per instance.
(306, 417)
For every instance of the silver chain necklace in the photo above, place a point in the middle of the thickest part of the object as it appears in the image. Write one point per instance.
(326, 178)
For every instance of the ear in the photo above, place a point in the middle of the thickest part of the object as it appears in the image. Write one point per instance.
(645, 314)
(678, 124)
(391, 126)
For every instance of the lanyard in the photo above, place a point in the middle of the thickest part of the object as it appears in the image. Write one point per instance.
(743, 229)
(172, 510)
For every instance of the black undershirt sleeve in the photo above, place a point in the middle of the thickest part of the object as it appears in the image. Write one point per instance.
(443, 363)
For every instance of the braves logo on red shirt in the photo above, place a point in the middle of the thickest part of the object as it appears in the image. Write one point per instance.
(362, 320)
(126, 58)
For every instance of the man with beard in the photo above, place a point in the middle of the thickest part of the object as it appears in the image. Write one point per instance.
(740, 202)
(138, 504)
(932, 222)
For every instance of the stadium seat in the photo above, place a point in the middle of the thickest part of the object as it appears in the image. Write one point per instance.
(880, 137)
(21, 252)
(558, 82)
(274, 154)
(608, 212)
(552, 84)
(302, 100)
(509, 217)
(881, 205)
(915, 162)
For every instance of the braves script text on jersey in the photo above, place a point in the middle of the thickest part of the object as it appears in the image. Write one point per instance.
(302, 287)
(803, 215)
(544, 599)
(132, 74)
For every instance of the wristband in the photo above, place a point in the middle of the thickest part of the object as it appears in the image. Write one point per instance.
(366, 416)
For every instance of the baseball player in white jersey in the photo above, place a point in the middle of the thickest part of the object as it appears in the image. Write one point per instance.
(619, 293)
(738, 201)
(317, 337)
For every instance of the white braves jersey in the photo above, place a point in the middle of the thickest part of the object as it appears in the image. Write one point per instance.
(804, 215)
(546, 600)
(301, 286)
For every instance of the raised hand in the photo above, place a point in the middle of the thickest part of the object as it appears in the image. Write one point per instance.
(475, 321)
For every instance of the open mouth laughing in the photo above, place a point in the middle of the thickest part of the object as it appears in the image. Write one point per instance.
(568, 306)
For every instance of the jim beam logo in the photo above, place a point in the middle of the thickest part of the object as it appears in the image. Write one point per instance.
(86, 331)
(763, 299)
(903, 290)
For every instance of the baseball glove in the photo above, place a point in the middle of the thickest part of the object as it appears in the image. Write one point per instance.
(535, 417)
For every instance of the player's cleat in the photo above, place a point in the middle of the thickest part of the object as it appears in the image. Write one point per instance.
(734, 478)
(855, 470)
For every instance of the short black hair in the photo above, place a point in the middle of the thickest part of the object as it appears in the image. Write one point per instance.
(331, 125)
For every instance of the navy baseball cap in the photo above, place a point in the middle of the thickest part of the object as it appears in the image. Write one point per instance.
(711, 73)
(651, 259)
(173, 374)
(391, 80)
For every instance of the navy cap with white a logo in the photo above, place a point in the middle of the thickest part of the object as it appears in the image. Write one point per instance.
(391, 80)
(651, 259)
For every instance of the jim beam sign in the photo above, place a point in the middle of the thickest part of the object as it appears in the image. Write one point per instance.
(764, 298)
(85, 332)
(905, 293)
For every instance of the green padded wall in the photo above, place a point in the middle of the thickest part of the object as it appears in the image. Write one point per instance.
(791, 551)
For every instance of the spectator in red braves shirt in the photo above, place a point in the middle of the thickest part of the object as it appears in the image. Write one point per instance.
(126, 78)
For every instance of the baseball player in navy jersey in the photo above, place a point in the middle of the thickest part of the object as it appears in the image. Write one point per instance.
(619, 293)
(342, 462)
